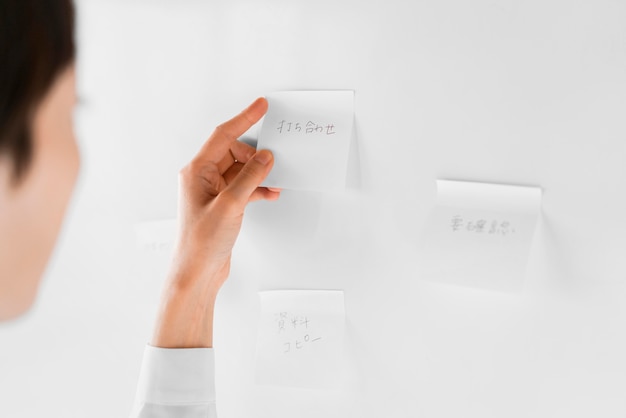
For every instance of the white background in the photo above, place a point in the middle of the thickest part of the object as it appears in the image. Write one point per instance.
(525, 92)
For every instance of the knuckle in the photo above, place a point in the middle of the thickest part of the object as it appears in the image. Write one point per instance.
(184, 170)
(184, 173)
(247, 174)
(224, 130)
(190, 169)
(211, 183)
(195, 166)
(227, 200)
(252, 171)
(205, 175)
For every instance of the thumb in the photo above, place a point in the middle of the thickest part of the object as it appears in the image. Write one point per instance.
(250, 177)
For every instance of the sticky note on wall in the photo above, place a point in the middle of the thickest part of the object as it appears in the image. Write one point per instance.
(156, 236)
(309, 133)
(480, 234)
(300, 338)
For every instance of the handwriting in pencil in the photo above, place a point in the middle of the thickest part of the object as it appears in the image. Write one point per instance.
(309, 127)
(294, 331)
(481, 226)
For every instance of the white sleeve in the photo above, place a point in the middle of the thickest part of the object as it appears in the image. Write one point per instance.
(176, 382)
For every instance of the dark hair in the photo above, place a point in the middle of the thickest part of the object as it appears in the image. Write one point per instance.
(36, 45)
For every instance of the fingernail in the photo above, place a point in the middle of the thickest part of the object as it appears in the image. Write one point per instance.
(264, 157)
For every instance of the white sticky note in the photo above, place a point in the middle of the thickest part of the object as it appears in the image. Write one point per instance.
(480, 234)
(156, 236)
(300, 338)
(309, 133)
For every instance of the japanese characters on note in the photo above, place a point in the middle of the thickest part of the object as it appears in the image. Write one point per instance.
(294, 330)
(480, 234)
(300, 338)
(156, 236)
(309, 133)
(310, 127)
(480, 226)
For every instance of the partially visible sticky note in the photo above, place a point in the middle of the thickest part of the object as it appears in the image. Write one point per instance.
(156, 236)
(300, 338)
(309, 133)
(480, 234)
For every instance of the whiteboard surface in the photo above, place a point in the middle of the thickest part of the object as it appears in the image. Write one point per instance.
(528, 93)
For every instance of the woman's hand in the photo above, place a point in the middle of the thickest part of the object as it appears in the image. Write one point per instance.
(215, 188)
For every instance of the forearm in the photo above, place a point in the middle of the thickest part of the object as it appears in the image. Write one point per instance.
(215, 187)
(185, 318)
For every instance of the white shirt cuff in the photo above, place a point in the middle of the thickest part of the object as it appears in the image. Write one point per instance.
(177, 376)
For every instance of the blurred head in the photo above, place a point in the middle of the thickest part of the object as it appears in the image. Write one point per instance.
(38, 153)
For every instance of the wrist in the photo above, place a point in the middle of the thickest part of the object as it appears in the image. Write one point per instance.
(197, 272)
(185, 317)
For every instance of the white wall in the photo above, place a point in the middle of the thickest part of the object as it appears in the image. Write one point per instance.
(529, 92)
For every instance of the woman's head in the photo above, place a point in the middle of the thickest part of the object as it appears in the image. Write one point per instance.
(38, 153)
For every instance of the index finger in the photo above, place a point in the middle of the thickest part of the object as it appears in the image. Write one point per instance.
(222, 138)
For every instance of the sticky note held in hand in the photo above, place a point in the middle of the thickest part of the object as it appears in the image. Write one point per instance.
(309, 133)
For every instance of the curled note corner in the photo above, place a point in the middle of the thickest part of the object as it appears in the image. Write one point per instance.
(479, 234)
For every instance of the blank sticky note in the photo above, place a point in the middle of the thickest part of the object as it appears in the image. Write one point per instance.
(480, 234)
(300, 338)
(309, 133)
